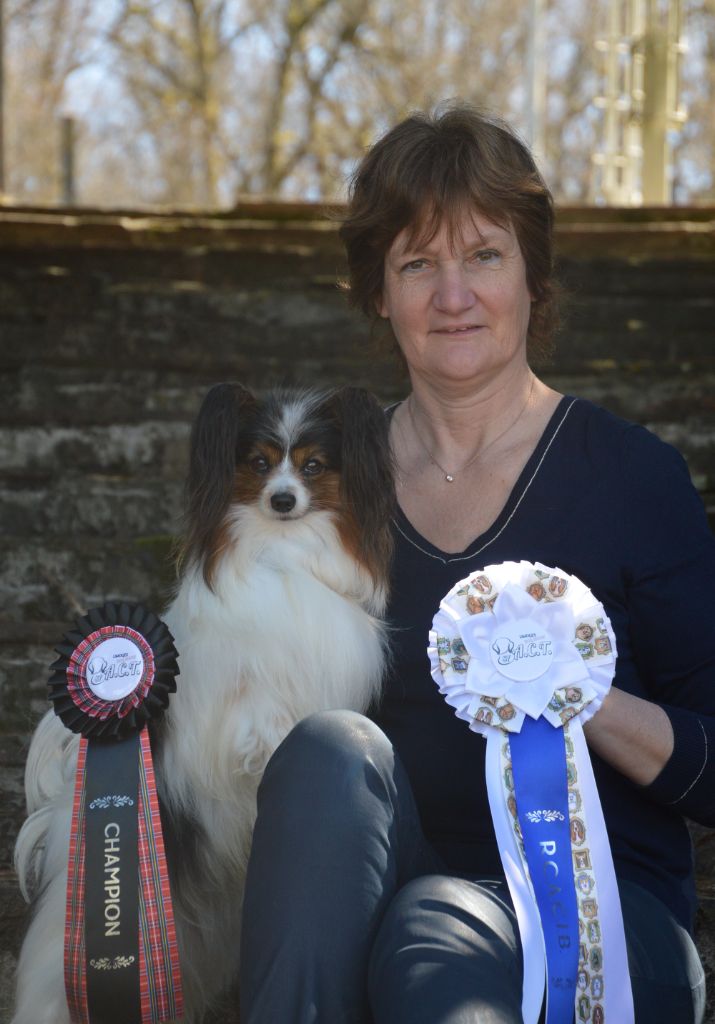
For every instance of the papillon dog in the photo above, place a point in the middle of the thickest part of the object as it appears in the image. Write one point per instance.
(277, 614)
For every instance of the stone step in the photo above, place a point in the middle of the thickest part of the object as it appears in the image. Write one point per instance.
(34, 395)
(69, 396)
(649, 337)
(151, 447)
(24, 671)
(49, 579)
(13, 753)
(591, 277)
(74, 506)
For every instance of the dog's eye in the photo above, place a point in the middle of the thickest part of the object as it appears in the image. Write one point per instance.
(312, 467)
(259, 464)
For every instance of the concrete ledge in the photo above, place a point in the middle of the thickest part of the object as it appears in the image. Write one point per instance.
(586, 232)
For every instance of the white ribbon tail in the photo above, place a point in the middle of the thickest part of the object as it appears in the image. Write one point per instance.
(617, 997)
(527, 914)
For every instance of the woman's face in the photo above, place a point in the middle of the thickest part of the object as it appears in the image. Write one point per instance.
(459, 307)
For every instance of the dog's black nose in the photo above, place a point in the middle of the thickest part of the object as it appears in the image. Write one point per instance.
(283, 502)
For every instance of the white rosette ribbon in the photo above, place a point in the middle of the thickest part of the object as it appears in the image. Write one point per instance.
(521, 639)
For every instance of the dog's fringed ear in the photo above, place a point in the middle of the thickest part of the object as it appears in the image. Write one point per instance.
(368, 484)
(215, 435)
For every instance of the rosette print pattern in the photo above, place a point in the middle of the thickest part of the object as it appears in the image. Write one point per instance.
(525, 655)
(114, 674)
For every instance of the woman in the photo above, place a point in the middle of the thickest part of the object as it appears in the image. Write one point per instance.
(375, 889)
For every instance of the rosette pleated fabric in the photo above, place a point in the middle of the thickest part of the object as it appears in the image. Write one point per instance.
(114, 675)
(525, 655)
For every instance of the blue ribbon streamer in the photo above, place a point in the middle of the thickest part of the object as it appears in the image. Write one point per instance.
(538, 758)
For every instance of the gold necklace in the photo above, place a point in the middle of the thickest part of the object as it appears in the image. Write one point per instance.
(449, 477)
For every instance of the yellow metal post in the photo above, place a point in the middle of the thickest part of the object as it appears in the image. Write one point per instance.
(641, 52)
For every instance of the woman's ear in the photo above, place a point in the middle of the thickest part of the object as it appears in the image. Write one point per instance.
(381, 307)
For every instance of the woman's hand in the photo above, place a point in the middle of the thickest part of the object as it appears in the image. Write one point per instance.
(633, 735)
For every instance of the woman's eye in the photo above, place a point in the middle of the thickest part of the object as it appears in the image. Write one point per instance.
(486, 256)
(259, 464)
(312, 467)
(415, 265)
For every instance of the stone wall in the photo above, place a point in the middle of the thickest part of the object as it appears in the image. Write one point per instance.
(112, 325)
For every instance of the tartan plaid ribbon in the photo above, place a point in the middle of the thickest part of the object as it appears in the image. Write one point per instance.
(75, 976)
(160, 978)
(143, 970)
(121, 956)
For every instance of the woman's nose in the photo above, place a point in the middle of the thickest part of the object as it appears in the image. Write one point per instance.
(454, 292)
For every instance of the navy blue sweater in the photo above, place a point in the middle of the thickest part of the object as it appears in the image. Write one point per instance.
(607, 501)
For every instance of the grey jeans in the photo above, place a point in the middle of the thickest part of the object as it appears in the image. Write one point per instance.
(349, 917)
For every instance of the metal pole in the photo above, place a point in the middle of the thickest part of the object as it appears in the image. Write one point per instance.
(633, 142)
(2, 100)
(536, 78)
(611, 178)
(67, 160)
(655, 110)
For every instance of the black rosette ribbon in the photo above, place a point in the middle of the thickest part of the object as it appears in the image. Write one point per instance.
(115, 672)
(80, 705)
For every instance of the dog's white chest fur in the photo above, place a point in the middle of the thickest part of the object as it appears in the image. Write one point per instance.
(285, 633)
(276, 617)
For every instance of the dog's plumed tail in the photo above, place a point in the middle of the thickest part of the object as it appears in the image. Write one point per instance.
(50, 768)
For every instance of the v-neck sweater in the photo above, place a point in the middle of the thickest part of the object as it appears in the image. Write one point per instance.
(607, 501)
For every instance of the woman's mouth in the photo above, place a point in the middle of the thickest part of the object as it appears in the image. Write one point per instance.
(463, 329)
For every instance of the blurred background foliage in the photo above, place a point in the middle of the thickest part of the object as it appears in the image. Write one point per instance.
(198, 103)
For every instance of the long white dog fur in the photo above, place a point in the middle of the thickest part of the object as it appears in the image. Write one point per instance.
(277, 615)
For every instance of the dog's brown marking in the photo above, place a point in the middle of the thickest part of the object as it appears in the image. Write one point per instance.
(250, 481)
(324, 490)
(327, 493)
(349, 531)
(247, 488)
(303, 454)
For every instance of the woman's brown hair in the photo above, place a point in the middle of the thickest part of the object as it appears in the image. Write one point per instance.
(432, 167)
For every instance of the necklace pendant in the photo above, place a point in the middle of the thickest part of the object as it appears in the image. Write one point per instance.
(449, 478)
